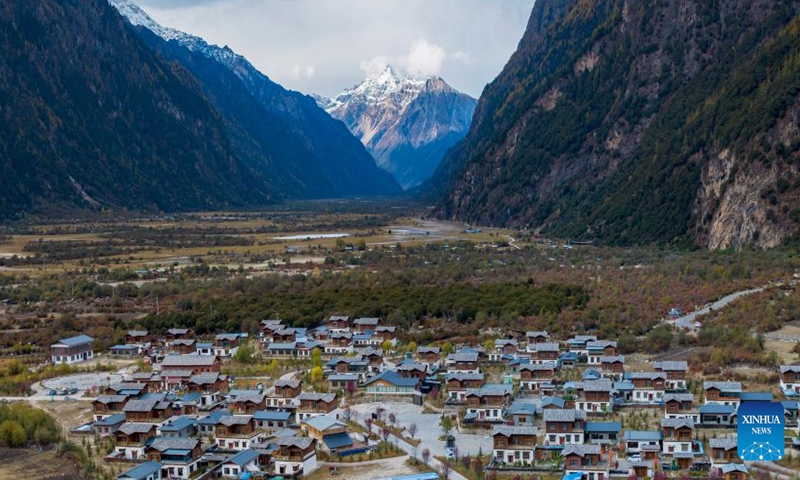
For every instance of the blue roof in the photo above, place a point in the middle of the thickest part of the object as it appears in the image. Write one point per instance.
(177, 451)
(620, 386)
(755, 397)
(518, 408)
(715, 408)
(591, 374)
(115, 419)
(214, 417)
(77, 340)
(181, 423)
(394, 378)
(142, 471)
(243, 458)
(573, 476)
(204, 345)
(568, 356)
(270, 415)
(789, 405)
(337, 440)
(557, 401)
(643, 435)
(191, 397)
(602, 427)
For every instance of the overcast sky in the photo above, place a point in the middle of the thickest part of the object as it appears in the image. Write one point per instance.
(324, 46)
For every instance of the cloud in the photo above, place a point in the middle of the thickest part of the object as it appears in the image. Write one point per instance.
(424, 59)
(460, 57)
(375, 64)
(299, 71)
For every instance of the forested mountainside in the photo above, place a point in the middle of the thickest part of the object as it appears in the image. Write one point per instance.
(90, 117)
(639, 122)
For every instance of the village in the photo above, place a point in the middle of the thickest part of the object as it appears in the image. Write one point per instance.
(523, 406)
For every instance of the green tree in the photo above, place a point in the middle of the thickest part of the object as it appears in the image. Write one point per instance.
(412, 347)
(12, 434)
(316, 358)
(244, 354)
(316, 374)
(447, 348)
(386, 345)
(488, 345)
(447, 425)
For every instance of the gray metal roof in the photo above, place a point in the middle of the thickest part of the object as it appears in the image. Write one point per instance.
(188, 360)
(508, 430)
(680, 397)
(725, 443)
(75, 341)
(580, 450)
(560, 415)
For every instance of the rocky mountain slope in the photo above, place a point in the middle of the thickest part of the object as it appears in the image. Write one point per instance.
(282, 128)
(90, 118)
(407, 124)
(640, 122)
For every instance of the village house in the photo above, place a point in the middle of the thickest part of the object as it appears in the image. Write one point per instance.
(281, 349)
(418, 371)
(594, 396)
(545, 353)
(331, 435)
(131, 439)
(272, 419)
(266, 327)
(391, 383)
(345, 382)
(463, 362)
(239, 465)
(790, 412)
(680, 405)
(108, 425)
(386, 333)
(314, 404)
(338, 323)
(178, 456)
(284, 392)
(532, 376)
(459, 382)
(717, 415)
(226, 344)
(361, 325)
(208, 425)
(204, 349)
(612, 367)
(180, 427)
(125, 350)
(643, 444)
(676, 373)
(130, 389)
(174, 379)
(339, 343)
(295, 456)
(177, 334)
(722, 393)
(355, 365)
(72, 350)
(237, 432)
(107, 405)
(790, 380)
(536, 337)
(504, 348)
(733, 471)
(602, 433)
(723, 450)
(586, 460)
(210, 386)
(194, 363)
(134, 337)
(247, 403)
(563, 427)
(373, 357)
(183, 346)
(488, 403)
(648, 387)
(579, 344)
(284, 335)
(143, 471)
(430, 356)
(521, 413)
(147, 411)
(677, 440)
(514, 444)
(597, 349)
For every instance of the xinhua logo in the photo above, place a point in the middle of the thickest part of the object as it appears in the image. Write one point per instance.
(760, 431)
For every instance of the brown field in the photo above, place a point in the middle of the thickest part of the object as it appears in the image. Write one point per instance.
(31, 463)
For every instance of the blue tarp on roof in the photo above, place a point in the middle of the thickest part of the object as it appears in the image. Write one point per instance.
(142, 471)
(573, 476)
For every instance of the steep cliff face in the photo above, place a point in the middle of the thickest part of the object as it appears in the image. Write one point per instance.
(639, 122)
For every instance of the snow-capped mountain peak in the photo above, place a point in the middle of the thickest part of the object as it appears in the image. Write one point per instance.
(391, 111)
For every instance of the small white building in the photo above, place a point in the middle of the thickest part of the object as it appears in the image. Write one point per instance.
(72, 350)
